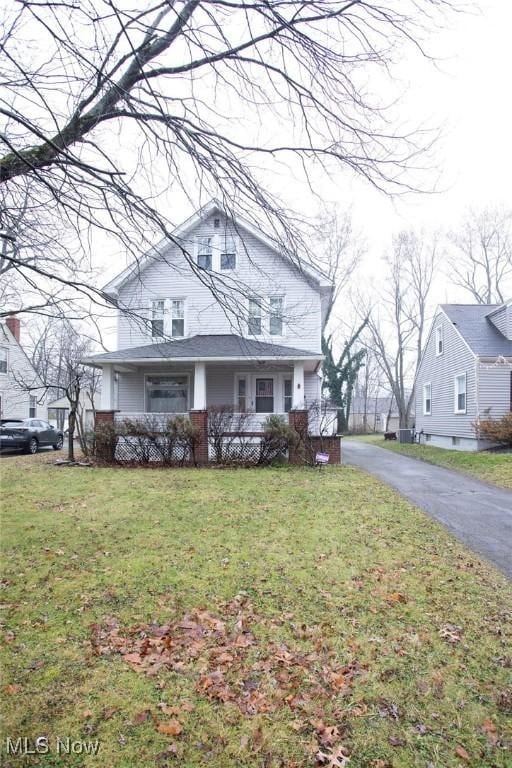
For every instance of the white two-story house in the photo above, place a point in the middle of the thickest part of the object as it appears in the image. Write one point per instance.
(22, 395)
(218, 316)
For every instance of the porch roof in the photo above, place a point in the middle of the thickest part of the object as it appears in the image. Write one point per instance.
(202, 348)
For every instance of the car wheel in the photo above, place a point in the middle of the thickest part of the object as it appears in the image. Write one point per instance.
(32, 446)
(58, 445)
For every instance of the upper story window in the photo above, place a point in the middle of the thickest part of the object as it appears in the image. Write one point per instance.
(167, 318)
(3, 359)
(228, 253)
(204, 252)
(427, 399)
(177, 317)
(254, 317)
(275, 324)
(460, 393)
(439, 340)
(157, 318)
(32, 407)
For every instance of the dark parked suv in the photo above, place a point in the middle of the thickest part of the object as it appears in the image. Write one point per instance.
(29, 435)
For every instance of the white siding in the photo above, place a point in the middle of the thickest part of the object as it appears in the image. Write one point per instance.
(440, 371)
(494, 380)
(20, 374)
(259, 270)
(220, 384)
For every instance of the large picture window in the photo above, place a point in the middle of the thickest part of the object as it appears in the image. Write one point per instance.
(167, 394)
(460, 393)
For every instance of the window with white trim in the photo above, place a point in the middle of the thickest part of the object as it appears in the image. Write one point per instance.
(167, 394)
(275, 322)
(157, 318)
(254, 321)
(32, 407)
(3, 359)
(427, 399)
(228, 253)
(460, 393)
(177, 317)
(204, 252)
(439, 340)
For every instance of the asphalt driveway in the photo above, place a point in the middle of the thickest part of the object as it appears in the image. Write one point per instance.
(478, 514)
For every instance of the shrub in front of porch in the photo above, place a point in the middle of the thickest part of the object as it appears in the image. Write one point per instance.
(147, 440)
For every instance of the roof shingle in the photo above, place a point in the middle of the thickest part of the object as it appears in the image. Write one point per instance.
(477, 330)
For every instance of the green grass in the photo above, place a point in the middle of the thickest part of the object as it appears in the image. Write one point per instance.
(336, 566)
(494, 468)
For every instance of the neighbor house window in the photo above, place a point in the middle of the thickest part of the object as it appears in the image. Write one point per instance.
(427, 399)
(32, 407)
(439, 340)
(460, 393)
(204, 252)
(228, 253)
(177, 317)
(287, 395)
(167, 394)
(3, 359)
(275, 325)
(254, 317)
(157, 318)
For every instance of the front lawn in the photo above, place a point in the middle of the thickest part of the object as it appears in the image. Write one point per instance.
(274, 618)
(493, 467)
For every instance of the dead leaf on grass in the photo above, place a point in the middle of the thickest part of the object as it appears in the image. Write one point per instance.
(462, 753)
(172, 728)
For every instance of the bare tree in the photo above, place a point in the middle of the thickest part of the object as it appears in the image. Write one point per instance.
(481, 259)
(56, 356)
(111, 109)
(397, 325)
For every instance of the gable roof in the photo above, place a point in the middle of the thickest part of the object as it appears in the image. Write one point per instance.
(204, 347)
(308, 269)
(480, 334)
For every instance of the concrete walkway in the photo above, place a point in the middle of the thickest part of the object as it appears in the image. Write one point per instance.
(480, 515)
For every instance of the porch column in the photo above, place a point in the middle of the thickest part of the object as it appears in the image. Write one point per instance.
(298, 385)
(107, 388)
(199, 387)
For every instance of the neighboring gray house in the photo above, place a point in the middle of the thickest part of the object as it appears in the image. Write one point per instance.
(181, 349)
(16, 375)
(465, 374)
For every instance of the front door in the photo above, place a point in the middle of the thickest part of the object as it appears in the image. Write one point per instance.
(264, 395)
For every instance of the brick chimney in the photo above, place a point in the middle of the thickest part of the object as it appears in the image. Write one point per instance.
(14, 325)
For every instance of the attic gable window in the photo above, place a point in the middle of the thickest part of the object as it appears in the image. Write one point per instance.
(204, 252)
(3, 360)
(439, 340)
